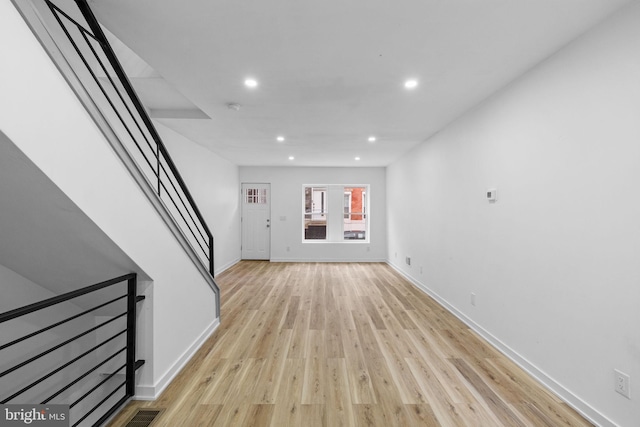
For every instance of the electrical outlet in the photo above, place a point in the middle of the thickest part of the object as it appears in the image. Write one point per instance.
(623, 383)
(473, 299)
(492, 195)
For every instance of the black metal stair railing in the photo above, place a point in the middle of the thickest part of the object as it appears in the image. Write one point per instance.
(102, 75)
(50, 358)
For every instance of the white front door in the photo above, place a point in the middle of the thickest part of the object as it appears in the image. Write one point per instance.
(256, 221)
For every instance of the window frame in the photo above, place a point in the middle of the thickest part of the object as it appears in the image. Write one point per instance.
(324, 210)
(331, 212)
(348, 215)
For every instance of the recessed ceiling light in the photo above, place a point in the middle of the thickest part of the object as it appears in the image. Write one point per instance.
(411, 84)
(251, 83)
(372, 139)
(357, 158)
(291, 157)
(280, 138)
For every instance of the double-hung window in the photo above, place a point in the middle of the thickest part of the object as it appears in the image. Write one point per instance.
(335, 213)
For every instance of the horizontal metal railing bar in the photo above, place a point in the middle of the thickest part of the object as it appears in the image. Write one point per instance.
(44, 353)
(94, 388)
(184, 219)
(99, 404)
(2, 347)
(95, 27)
(97, 81)
(115, 87)
(12, 314)
(183, 204)
(104, 92)
(111, 411)
(63, 389)
(139, 364)
(58, 369)
(195, 237)
(76, 23)
(168, 175)
(140, 298)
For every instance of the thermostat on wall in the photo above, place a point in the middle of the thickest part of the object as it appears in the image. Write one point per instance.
(492, 195)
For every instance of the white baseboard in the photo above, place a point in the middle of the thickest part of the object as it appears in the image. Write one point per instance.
(226, 266)
(326, 260)
(152, 392)
(585, 409)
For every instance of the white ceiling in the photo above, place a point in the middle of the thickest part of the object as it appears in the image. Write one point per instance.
(331, 72)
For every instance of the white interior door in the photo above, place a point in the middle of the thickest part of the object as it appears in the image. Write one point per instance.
(256, 221)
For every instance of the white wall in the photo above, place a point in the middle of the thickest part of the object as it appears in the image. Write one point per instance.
(554, 263)
(42, 116)
(215, 185)
(286, 202)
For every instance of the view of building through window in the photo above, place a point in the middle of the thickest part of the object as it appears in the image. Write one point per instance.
(355, 217)
(315, 213)
(318, 218)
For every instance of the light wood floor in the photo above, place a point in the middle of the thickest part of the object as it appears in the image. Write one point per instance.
(316, 344)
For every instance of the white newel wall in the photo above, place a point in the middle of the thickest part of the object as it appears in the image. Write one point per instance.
(42, 116)
(554, 262)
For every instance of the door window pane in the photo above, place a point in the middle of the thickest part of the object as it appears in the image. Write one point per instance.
(256, 196)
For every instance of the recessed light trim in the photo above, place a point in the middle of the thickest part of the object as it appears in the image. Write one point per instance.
(291, 158)
(357, 158)
(250, 82)
(371, 139)
(411, 84)
(280, 138)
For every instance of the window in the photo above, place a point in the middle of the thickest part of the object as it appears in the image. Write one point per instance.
(315, 213)
(337, 225)
(256, 196)
(355, 216)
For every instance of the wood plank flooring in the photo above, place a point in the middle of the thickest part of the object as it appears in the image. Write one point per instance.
(329, 344)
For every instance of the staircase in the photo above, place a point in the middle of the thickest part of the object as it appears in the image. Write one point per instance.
(80, 133)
